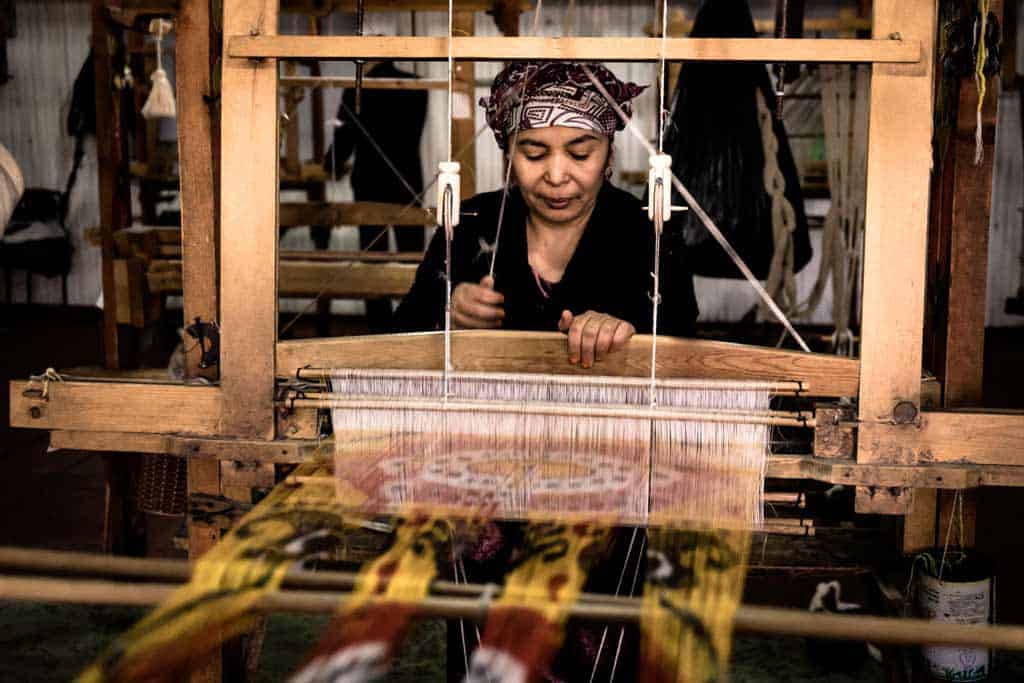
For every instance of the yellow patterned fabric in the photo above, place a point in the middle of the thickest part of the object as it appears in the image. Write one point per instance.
(362, 637)
(694, 585)
(293, 522)
(525, 627)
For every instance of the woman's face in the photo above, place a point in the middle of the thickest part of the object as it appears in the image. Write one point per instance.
(560, 171)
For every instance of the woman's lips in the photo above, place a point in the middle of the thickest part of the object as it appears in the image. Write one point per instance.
(557, 203)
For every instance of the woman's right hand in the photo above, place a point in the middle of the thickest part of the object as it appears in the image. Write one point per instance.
(477, 306)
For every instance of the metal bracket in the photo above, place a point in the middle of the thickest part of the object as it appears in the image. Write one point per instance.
(207, 335)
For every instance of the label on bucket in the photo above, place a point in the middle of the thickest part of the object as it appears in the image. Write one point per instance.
(960, 603)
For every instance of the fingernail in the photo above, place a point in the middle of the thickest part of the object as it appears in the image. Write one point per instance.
(573, 360)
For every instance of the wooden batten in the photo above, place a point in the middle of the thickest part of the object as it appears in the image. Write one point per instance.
(503, 49)
(544, 352)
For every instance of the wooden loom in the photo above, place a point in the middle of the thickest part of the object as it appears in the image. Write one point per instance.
(899, 446)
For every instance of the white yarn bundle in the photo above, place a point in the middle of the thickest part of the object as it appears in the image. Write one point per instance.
(160, 103)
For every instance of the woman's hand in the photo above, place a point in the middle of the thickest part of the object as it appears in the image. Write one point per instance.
(477, 306)
(593, 335)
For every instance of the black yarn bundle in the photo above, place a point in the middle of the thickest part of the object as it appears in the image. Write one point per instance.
(715, 141)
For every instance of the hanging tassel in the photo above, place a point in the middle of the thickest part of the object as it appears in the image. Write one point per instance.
(160, 103)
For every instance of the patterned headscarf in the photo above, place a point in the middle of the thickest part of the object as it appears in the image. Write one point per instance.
(539, 95)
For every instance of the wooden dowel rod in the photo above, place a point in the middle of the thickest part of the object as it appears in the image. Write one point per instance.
(749, 619)
(93, 565)
(774, 387)
(536, 408)
(503, 49)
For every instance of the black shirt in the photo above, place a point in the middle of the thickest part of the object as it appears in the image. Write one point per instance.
(610, 271)
(394, 120)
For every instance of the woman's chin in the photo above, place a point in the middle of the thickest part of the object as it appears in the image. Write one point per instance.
(567, 214)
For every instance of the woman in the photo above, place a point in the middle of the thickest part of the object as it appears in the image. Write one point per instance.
(574, 254)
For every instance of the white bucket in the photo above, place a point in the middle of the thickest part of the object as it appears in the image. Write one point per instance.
(966, 602)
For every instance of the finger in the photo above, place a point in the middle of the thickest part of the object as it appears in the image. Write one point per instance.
(483, 311)
(575, 338)
(464, 320)
(623, 333)
(589, 339)
(565, 321)
(485, 292)
(605, 338)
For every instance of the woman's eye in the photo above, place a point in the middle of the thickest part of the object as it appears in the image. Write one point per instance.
(580, 157)
(534, 157)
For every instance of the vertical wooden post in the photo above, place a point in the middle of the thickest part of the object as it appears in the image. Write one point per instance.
(959, 265)
(896, 222)
(109, 157)
(196, 163)
(249, 203)
(463, 119)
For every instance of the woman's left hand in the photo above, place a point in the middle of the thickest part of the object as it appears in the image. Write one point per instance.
(592, 335)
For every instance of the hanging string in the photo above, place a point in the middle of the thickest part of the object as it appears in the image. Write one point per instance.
(416, 200)
(703, 217)
(451, 73)
(662, 118)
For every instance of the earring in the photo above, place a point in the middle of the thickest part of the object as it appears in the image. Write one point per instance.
(608, 172)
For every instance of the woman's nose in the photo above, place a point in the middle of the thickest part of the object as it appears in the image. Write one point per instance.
(557, 172)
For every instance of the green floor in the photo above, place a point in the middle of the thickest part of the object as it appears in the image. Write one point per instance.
(55, 642)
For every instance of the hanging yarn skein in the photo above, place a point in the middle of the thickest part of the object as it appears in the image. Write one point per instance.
(160, 103)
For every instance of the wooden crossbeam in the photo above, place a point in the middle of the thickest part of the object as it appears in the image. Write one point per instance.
(545, 352)
(343, 279)
(118, 407)
(367, 83)
(353, 213)
(432, 48)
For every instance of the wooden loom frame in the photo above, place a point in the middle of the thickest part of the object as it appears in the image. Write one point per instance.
(899, 447)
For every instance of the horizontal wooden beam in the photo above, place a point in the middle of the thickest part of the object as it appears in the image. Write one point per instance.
(114, 442)
(545, 352)
(237, 450)
(325, 7)
(345, 279)
(353, 213)
(367, 83)
(879, 475)
(134, 407)
(780, 466)
(983, 438)
(500, 49)
(319, 7)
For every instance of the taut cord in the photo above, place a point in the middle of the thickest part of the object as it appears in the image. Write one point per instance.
(704, 218)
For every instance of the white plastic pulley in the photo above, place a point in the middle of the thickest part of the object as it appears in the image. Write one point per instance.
(448, 178)
(661, 170)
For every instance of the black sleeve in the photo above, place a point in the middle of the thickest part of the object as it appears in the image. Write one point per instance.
(422, 309)
(344, 141)
(678, 314)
